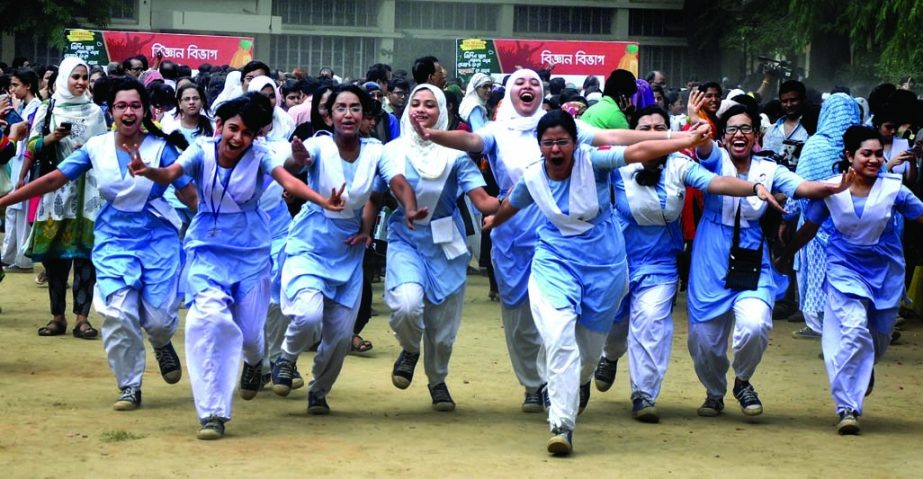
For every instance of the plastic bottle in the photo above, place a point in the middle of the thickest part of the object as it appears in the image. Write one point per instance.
(629, 61)
(242, 56)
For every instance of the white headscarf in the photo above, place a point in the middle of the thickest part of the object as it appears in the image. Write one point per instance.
(507, 114)
(62, 95)
(232, 90)
(428, 158)
(472, 100)
(282, 124)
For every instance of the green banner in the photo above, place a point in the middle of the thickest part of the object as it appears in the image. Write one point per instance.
(474, 55)
(88, 45)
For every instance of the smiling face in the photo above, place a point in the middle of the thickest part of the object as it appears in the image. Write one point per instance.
(127, 112)
(868, 159)
(739, 136)
(78, 81)
(484, 91)
(791, 103)
(236, 137)
(346, 114)
(526, 95)
(712, 100)
(557, 148)
(425, 108)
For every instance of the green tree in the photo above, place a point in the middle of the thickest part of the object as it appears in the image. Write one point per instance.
(49, 18)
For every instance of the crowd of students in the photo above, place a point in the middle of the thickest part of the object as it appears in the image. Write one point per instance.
(251, 198)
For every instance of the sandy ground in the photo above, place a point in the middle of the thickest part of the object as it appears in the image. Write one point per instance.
(56, 418)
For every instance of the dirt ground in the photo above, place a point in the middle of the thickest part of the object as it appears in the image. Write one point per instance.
(56, 418)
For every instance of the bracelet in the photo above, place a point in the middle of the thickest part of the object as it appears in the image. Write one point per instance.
(755, 186)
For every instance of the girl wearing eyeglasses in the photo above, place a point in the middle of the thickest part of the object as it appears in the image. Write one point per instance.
(579, 272)
(648, 202)
(321, 272)
(718, 302)
(137, 249)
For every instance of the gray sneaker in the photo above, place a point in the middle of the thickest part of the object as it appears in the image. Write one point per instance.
(212, 428)
(806, 333)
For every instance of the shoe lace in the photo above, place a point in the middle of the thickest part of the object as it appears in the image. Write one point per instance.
(166, 360)
(441, 393)
(252, 374)
(747, 395)
(128, 394)
(408, 362)
(286, 370)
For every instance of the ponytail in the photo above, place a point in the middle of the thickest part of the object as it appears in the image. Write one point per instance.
(175, 138)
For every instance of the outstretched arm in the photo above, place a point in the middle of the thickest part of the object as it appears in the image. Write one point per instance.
(630, 137)
(405, 194)
(483, 202)
(818, 190)
(503, 214)
(730, 186)
(295, 187)
(651, 150)
(457, 139)
(49, 182)
(163, 176)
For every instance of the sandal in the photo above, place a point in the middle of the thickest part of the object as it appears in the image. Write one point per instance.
(360, 345)
(87, 332)
(53, 328)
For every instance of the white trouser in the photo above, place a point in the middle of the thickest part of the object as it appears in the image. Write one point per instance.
(221, 328)
(314, 315)
(751, 319)
(814, 320)
(650, 338)
(414, 318)
(125, 313)
(570, 351)
(15, 236)
(852, 347)
(274, 331)
(616, 341)
(523, 343)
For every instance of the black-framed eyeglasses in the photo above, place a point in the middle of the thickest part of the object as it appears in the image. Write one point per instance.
(744, 129)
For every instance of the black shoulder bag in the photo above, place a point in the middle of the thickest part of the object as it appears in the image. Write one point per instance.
(47, 160)
(744, 265)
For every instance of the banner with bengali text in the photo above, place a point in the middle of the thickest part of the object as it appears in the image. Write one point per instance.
(501, 56)
(99, 47)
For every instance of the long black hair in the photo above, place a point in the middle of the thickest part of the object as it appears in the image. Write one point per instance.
(175, 138)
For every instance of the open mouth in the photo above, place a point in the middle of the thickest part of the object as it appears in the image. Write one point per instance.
(557, 160)
(129, 121)
(527, 96)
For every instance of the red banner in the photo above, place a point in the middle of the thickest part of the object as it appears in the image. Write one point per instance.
(192, 50)
(568, 57)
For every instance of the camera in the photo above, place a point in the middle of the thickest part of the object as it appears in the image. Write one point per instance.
(781, 69)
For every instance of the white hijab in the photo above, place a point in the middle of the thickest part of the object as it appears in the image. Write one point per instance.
(472, 100)
(507, 114)
(282, 124)
(62, 94)
(232, 90)
(428, 158)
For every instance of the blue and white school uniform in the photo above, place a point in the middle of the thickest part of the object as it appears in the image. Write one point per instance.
(579, 272)
(713, 309)
(16, 224)
(648, 217)
(427, 266)
(136, 251)
(321, 274)
(865, 282)
(227, 247)
(509, 152)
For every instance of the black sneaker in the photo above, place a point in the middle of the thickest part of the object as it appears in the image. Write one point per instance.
(849, 423)
(168, 361)
(317, 404)
(251, 380)
(644, 410)
(129, 400)
(534, 402)
(546, 399)
(868, 390)
(584, 397)
(442, 400)
(282, 373)
(562, 442)
(712, 407)
(605, 374)
(402, 374)
(749, 401)
(212, 428)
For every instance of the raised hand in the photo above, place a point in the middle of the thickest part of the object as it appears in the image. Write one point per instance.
(413, 215)
(699, 134)
(694, 104)
(136, 167)
(849, 176)
(335, 202)
(417, 127)
(300, 156)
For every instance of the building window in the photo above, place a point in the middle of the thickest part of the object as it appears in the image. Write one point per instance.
(674, 61)
(446, 16)
(337, 13)
(39, 52)
(584, 21)
(409, 49)
(124, 10)
(656, 23)
(347, 56)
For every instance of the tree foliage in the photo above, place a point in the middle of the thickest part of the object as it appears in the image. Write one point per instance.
(49, 18)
